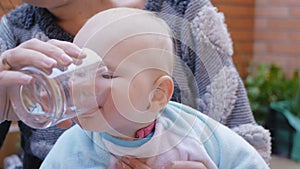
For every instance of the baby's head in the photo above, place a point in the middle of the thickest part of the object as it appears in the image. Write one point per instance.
(137, 48)
(130, 30)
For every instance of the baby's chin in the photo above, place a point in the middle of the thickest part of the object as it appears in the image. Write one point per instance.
(91, 120)
(90, 126)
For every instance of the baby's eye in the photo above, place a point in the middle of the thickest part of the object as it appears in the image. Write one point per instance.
(108, 76)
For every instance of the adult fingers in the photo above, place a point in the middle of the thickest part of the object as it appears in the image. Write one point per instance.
(44, 55)
(69, 48)
(51, 50)
(8, 78)
(21, 57)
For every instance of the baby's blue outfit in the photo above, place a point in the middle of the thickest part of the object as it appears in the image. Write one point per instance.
(181, 133)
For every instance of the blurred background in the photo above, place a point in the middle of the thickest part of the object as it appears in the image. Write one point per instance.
(266, 39)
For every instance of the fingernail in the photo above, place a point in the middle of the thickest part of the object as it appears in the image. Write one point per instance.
(49, 62)
(66, 58)
(82, 54)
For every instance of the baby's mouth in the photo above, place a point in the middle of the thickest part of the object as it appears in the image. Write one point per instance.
(100, 108)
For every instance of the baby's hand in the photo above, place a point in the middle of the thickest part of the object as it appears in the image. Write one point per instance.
(130, 163)
(133, 163)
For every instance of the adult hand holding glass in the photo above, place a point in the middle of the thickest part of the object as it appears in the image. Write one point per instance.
(43, 55)
(50, 99)
(40, 54)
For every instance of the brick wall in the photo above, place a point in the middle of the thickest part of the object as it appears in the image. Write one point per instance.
(7, 5)
(277, 33)
(263, 31)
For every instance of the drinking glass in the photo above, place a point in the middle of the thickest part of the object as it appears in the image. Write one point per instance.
(64, 94)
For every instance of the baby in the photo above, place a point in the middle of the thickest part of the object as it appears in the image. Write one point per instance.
(136, 117)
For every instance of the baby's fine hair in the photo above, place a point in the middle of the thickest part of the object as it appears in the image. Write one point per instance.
(118, 24)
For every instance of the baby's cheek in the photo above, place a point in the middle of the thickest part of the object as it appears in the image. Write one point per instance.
(102, 91)
(139, 96)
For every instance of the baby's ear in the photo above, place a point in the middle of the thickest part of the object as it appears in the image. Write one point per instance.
(161, 94)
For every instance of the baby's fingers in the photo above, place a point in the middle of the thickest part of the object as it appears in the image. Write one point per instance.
(131, 163)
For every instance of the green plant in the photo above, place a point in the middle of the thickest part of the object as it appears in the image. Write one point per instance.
(295, 103)
(269, 84)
